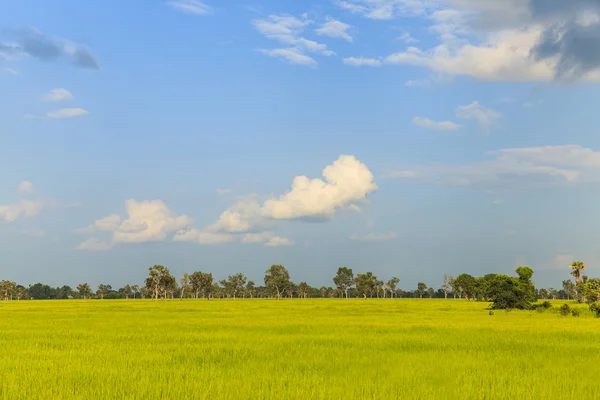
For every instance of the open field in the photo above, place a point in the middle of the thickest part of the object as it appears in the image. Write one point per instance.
(294, 349)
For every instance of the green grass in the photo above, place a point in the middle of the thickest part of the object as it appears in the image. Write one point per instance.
(294, 349)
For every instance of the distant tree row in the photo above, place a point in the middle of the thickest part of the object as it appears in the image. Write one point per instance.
(502, 290)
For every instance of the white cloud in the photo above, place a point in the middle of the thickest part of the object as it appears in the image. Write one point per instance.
(362, 62)
(279, 241)
(26, 187)
(485, 117)
(288, 29)
(67, 113)
(407, 38)
(521, 168)
(439, 126)
(374, 237)
(384, 9)
(203, 237)
(58, 95)
(191, 7)
(24, 208)
(110, 223)
(335, 29)
(94, 244)
(291, 55)
(347, 181)
(149, 221)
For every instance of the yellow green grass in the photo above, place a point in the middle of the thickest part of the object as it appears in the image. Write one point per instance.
(294, 349)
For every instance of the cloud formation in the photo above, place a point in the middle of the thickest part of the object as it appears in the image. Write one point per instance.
(58, 95)
(26, 187)
(522, 168)
(374, 237)
(362, 62)
(335, 29)
(485, 117)
(33, 43)
(194, 7)
(499, 40)
(67, 113)
(289, 30)
(435, 125)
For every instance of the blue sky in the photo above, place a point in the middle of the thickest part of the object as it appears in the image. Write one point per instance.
(436, 136)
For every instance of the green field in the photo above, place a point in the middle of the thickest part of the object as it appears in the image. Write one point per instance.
(294, 349)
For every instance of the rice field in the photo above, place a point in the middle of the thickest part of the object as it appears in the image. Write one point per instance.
(294, 349)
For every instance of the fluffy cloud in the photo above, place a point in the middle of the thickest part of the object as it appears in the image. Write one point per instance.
(191, 7)
(149, 221)
(109, 223)
(24, 208)
(33, 43)
(347, 181)
(500, 40)
(335, 29)
(515, 168)
(362, 62)
(67, 113)
(58, 95)
(289, 30)
(435, 125)
(146, 221)
(26, 187)
(374, 237)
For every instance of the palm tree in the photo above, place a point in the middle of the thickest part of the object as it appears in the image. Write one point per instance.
(578, 268)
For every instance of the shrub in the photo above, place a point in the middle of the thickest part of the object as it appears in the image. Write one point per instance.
(595, 309)
(491, 312)
(546, 305)
(565, 310)
(576, 312)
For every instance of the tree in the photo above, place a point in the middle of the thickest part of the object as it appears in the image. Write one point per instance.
(392, 284)
(302, 290)
(8, 290)
(447, 287)
(160, 281)
(235, 283)
(569, 289)
(135, 289)
(344, 279)
(184, 284)
(508, 292)
(277, 280)
(431, 293)
(366, 284)
(127, 291)
(466, 285)
(578, 271)
(103, 290)
(421, 288)
(544, 293)
(85, 291)
(591, 290)
(250, 289)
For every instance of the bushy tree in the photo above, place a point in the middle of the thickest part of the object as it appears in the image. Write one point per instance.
(344, 279)
(466, 284)
(507, 292)
(366, 284)
(277, 280)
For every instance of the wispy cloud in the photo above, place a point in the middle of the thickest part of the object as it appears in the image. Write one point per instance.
(194, 7)
(435, 125)
(67, 113)
(362, 62)
(289, 30)
(57, 95)
(485, 117)
(374, 237)
(335, 29)
(523, 168)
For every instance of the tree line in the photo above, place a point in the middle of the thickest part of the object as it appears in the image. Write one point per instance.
(502, 290)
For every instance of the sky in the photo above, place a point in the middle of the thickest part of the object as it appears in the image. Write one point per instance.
(410, 138)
